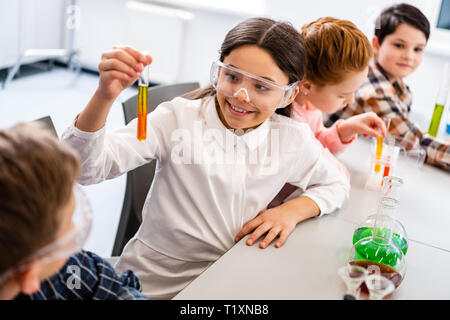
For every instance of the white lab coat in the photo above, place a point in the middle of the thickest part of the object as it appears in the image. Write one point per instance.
(208, 183)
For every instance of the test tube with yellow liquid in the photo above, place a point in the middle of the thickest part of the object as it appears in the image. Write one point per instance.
(142, 104)
(440, 103)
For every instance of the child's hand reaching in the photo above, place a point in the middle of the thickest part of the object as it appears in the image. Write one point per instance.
(119, 68)
(367, 124)
(278, 221)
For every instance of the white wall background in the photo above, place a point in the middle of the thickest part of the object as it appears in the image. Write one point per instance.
(29, 24)
(101, 21)
(103, 24)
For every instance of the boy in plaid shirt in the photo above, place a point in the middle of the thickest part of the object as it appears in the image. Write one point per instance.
(398, 44)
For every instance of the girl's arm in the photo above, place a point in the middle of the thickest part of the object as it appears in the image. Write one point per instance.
(279, 221)
(328, 137)
(325, 189)
(119, 68)
(105, 155)
(343, 132)
(367, 124)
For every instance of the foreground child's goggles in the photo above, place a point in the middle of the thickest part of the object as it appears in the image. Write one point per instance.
(258, 92)
(71, 243)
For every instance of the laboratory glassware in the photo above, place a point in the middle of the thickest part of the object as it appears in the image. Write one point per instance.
(353, 276)
(143, 83)
(383, 222)
(440, 102)
(378, 286)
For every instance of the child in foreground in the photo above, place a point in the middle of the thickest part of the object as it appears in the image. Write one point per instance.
(44, 221)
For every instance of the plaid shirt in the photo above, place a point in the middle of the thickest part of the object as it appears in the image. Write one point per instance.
(87, 276)
(391, 98)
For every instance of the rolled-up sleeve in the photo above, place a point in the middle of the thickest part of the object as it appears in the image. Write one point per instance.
(106, 155)
(329, 137)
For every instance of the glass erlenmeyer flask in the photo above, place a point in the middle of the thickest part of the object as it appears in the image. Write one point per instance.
(378, 250)
(387, 225)
(399, 236)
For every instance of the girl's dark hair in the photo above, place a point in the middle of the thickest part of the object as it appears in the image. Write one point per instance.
(392, 17)
(280, 39)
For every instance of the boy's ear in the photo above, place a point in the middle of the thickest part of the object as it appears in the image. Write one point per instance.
(28, 280)
(375, 45)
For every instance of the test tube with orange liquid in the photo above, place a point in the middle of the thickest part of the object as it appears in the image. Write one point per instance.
(390, 142)
(378, 152)
(142, 104)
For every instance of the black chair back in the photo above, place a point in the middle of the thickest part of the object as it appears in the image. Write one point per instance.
(48, 123)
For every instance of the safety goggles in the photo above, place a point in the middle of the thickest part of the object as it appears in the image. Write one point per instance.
(258, 92)
(71, 243)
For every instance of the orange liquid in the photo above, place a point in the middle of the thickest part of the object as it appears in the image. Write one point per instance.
(142, 112)
(378, 152)
(386, 172)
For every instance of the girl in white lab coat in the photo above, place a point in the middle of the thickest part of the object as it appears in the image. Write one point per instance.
(222, 154)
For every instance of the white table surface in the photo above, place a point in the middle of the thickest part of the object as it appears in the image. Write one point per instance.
(424, 198)
(305, 267)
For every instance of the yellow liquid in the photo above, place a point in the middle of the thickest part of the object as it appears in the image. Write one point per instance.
(142, 112)
(436, 119)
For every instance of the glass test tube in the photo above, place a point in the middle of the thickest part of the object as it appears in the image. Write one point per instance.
(378, 152)
(447, 129)
(142, 104)
(440, 102)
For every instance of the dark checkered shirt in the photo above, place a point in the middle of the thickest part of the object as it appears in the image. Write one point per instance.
(86, 276)
(390, 98)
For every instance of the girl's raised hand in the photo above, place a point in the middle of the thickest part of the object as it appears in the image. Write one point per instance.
(367, 124)
(119, 69)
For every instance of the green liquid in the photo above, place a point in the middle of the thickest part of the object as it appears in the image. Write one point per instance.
(364, 232)
(379, 251)
(436, 119)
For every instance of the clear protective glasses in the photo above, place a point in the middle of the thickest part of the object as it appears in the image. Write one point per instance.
(258, 92)
(72, 242)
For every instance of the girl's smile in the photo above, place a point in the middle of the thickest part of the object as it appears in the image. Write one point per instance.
(237, 112)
